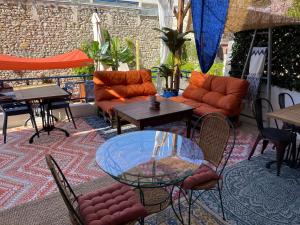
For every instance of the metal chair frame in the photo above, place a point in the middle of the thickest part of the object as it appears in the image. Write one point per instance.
(279, 145)
(219, 167)
(12, 104)
(67, 193)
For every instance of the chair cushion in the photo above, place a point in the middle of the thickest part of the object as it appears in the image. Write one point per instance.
(201, 176)
(113, 205)
(222, 93)
(186, 101)
(277, 134)
(204, 108)
(15, 108)
(122, 84)
(108, 105)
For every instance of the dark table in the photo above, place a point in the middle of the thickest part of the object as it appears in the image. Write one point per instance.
(141, 115)
(43, 94)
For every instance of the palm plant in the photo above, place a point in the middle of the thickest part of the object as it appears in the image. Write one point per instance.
(113, 52)
(174, 40)
(166, 71)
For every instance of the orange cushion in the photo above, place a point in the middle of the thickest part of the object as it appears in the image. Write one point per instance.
(107, 105)
(194, 92)
(212, 98)
(186, 101)
(203, 109)
(122, 84)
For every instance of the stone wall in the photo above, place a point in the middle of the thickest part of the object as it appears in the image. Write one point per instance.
(48, 29)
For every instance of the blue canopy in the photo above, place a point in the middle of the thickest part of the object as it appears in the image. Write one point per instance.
(209, 18)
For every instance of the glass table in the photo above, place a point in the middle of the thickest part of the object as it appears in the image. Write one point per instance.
(150, 161)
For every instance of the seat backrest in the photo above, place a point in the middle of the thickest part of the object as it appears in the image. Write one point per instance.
(258, 107)
(221, 92)
(122, 84)
(213, 138)
(65, 190)
(281, 99)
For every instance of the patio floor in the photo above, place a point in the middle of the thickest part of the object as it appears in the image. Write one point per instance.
(24, 175)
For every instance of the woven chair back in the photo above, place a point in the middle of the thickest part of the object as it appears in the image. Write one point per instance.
(65, 190)
(213, 137)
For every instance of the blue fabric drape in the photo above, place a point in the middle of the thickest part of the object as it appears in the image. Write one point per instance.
(209, 18)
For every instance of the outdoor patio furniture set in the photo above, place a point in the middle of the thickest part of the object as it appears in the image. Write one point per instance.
(150, 167)
(45, 97)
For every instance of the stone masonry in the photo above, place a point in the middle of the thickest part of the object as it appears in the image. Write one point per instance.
(45, 29)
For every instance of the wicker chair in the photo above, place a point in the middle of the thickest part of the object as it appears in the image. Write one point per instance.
(213, 138)
(280, 138)
(92, 208)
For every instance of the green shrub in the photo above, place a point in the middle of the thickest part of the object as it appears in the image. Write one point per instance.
(285, 55)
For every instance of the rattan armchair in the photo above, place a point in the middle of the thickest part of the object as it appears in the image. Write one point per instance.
(116, 204)
(213, 138)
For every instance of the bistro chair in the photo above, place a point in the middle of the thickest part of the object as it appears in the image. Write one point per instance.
(213, 138)
(279, 137)
(60, 103)
(282, 104)
(10, 107)
(116, 204)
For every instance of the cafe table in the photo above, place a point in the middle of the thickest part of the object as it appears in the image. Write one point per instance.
(152, 162)
(290, 115)
(43, 94)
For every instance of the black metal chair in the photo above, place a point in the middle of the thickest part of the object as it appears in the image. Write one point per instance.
(279, 137)
(118, 203)
(213, 138)
(282, 104)
(9, 107)
(61, 103)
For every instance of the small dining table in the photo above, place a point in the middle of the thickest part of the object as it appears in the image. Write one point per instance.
(153, 162)
(43, 94)
(290, 115)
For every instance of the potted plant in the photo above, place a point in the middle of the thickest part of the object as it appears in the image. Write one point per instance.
(113, 52)
(174, 41)
(166, 71)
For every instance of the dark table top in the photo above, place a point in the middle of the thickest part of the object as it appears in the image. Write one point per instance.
(141, 110)
(149, 158)
(27, 93)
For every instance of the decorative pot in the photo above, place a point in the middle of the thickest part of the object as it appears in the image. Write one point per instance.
(170, 93)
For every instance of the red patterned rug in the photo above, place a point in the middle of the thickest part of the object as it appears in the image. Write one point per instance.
(24, 175)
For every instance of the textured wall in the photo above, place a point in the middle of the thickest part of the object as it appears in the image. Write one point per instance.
(50, 29)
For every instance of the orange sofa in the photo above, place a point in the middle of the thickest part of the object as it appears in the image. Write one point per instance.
(121, 87)
(209, 94)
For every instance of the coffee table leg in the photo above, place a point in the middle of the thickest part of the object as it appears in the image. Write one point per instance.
(118, 124)
(188, 126)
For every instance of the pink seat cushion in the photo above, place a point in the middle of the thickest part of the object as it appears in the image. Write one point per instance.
(201, 176)
(113, 205)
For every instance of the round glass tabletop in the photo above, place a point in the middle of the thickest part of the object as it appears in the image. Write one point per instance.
(149, 158)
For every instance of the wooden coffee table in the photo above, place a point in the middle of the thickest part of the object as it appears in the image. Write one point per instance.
(140, 114)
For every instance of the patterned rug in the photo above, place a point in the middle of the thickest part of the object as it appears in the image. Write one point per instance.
(24, 175)
(254, 194)
(51, 210)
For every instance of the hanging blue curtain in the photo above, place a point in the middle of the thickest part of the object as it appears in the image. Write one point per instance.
(209, 18)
